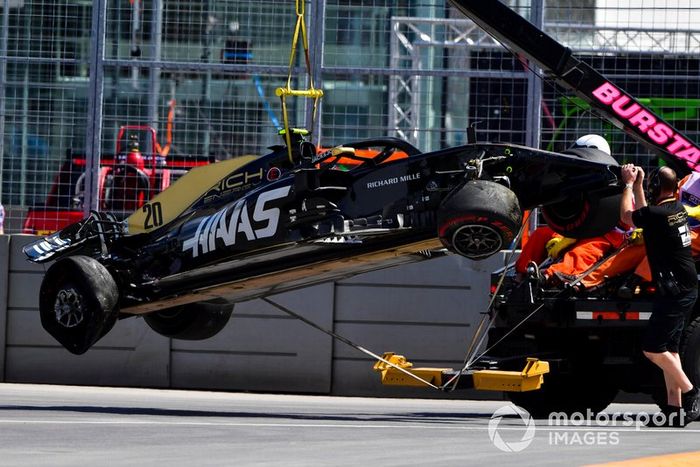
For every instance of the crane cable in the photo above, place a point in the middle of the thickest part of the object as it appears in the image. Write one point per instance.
(477, 341)
(451, 384)
(347, 341)
(474, 346)
(488, 317)
(311, 92)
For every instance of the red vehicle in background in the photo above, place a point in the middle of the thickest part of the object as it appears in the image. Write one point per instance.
(139, 173)
(140, 170)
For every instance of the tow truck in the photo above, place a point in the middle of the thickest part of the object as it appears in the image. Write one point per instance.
(590, 342)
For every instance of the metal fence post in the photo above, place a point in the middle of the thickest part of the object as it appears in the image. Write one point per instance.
(533, 122)
(93, 139)
(207, 41)
(154, 75)
(533, 131)
(25, 117)
(318, 17)
(3, 74)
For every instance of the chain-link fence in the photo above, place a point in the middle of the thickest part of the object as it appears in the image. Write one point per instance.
(104, 103)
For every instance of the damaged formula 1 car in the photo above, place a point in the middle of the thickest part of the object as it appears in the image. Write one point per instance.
(251, 227)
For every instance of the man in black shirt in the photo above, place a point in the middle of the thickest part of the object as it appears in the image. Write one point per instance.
(667, 241)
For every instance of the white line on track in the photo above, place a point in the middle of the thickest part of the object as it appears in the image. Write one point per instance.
(339, 425)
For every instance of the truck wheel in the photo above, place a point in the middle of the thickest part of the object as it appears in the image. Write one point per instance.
(78, 302)
(568, 394)
(690, 351)
(586, 214)
(193, 321)
(479, 219)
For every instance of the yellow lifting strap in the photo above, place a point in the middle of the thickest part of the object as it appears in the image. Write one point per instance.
(312, 92)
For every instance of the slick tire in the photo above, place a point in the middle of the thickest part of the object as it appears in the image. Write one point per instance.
(193, 321)
(78, 302)
(585, 214)
(479, 219)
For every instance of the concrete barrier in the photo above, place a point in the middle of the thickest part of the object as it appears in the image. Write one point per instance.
(426, 311)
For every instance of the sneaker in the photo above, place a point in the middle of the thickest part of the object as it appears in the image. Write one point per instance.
(691, 404)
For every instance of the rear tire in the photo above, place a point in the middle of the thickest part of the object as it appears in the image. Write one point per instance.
(193, 321)
(78, 302)
(479, 219)
(585, 215)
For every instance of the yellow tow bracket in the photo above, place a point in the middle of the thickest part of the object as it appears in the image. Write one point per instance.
(530, 379)
(393, 377)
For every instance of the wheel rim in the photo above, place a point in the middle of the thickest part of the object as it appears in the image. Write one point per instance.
(69, 308)
(476, 240)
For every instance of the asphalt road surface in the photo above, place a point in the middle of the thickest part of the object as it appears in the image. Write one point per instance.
(66, 425)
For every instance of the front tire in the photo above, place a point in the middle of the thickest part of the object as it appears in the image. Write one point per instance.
(78, 302)
(479, 219)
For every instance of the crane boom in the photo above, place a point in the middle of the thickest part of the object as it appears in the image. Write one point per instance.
(606, 98)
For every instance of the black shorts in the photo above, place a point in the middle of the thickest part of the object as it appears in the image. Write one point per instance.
(665, 327)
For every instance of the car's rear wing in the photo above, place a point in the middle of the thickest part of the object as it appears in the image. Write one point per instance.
(557, 61)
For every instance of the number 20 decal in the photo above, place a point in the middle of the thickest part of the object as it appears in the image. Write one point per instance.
(154, 215)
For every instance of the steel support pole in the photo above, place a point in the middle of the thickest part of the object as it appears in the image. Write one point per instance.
(154, 73)
(428, 88)
(25, 117)
(533, 123)
(205, 102)
(93, 137)
(3, 78)
(534, 86)
(316, 50)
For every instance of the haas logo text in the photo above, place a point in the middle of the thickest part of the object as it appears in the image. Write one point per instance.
(226, 225)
